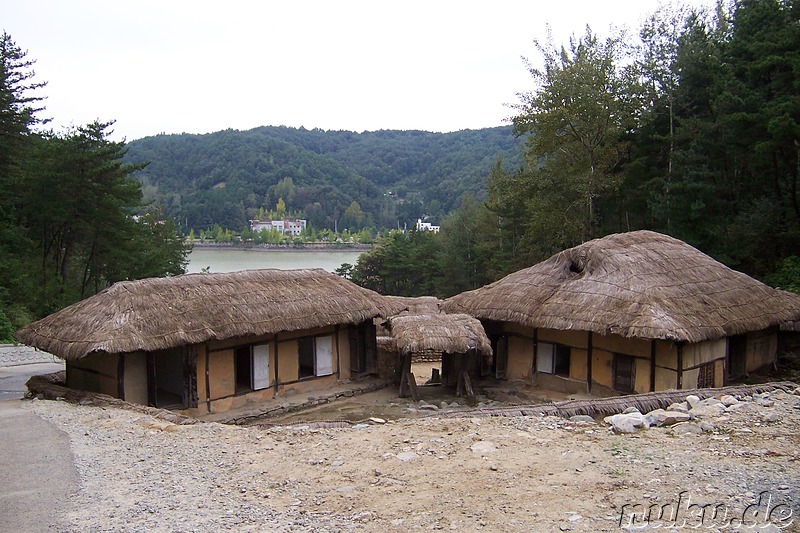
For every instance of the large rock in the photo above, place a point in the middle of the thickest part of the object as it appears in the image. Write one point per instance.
(627, 423)
(682, 406)
(692, 400)
(707, 410)
(728, 400)
(687, 428)
(584, 419)
(660, 417)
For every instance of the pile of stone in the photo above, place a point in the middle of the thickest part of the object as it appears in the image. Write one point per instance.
(692, 416)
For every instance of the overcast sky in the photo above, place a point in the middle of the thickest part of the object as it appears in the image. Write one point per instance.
(198, 66)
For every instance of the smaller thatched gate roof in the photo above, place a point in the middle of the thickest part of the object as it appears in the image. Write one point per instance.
(456, 333)
(161, 313)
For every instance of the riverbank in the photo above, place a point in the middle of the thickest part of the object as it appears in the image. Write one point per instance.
(305, 247)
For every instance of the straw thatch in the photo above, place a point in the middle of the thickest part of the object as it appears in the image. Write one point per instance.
(638, 284)
(420, 305)
(161, 313)
(456, 333)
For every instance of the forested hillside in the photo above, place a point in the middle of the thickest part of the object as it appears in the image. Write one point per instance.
(393, 177)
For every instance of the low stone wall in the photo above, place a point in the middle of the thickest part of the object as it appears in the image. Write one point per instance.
(19, 354)
(427, 356)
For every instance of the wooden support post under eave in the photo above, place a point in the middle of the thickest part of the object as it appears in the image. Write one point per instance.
(405, 372)
(121, 376)
(589, 363)
(653, 365)
(535, 365)
(412, 386)
(208, 379)
(680, 366)
(277, 380)
(467, 384)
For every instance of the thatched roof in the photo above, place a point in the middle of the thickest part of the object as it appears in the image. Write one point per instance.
(638, 284)
(456, 333)
(160, 313)
(428, 305)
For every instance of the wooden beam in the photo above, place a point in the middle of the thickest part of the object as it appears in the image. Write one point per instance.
(588, 363)
(208, 380)
(412, 386)
(467, 384)
(403, 392)
(459, 367)
(653, 365)
(121, 376)
(405, 370)
(535, 363)
(277, 379)
(680, 366)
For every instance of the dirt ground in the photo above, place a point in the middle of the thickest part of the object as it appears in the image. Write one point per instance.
(432, 472)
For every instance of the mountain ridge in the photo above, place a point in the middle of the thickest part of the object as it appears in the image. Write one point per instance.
(394, 176)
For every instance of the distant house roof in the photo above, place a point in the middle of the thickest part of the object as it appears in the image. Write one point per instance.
(638, 284)
(161, 313)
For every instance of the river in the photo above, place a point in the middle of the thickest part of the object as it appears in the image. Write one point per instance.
(232, 260)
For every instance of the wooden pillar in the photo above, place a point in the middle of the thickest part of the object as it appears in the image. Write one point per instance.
(208, 380)
(121, 376)
(405, 375)
(680, 366)
(338, 359)
(535, 364)
(653, 365)
(588, 363)
(277, 379)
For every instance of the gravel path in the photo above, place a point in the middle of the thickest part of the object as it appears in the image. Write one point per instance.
(493, 474)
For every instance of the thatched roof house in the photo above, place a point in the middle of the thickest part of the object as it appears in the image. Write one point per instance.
(161, 313)
(639, 285)
(440, 332)
(240, 325)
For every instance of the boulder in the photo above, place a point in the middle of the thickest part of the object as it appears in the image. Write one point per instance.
(682, 406)
(627, 423)
(582, 419)
(708, 410)
(692, 400)
(630, 410)
(660, 417)
(728, 400)
(687, 428)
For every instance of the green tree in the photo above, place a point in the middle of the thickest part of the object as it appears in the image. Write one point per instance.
(280, 209)
(19, 104)
(575, 122)
(79, 208)
(353, 218)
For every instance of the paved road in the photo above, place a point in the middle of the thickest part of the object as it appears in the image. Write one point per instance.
(13, 378)
(37, 472)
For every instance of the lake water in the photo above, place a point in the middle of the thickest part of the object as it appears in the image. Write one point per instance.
(230, 260)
